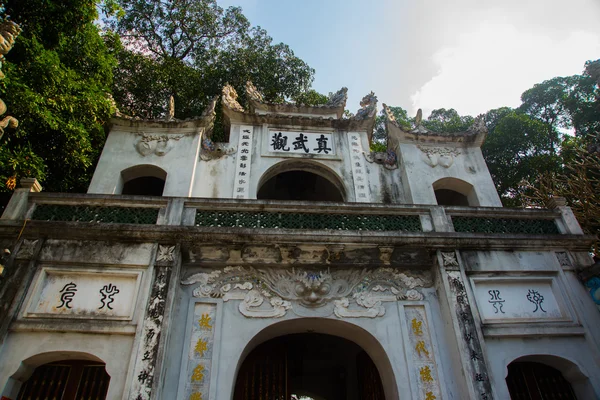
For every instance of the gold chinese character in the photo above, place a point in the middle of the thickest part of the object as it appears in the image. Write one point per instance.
(425, 373)
(420, 348)
(198, 396)
(198, 373)
(205, 322)
(417, 326)
(428, 396)
(201, 346)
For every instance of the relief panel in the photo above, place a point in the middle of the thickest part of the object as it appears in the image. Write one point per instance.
(502, 300)
(72, 293)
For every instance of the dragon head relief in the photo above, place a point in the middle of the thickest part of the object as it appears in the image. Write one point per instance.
(343, 289)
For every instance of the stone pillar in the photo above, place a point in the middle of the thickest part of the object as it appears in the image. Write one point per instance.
(151, 336)
(465, 334)
(17, 206)
(16, 279)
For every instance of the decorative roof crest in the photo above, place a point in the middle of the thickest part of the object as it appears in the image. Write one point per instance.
(229, 98)
(253, 93)
(368, 108)
(339, 98)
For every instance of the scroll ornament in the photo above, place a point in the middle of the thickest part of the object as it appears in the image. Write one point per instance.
(271, 292)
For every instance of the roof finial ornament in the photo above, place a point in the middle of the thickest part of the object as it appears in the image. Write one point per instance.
(419, 117)
(171, 108)
(253, 93)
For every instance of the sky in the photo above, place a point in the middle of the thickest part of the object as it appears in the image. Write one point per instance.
(470, 55)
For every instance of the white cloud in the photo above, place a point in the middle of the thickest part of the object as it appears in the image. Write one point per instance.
(493, 63)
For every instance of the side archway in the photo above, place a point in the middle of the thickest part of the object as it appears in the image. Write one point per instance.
(144, 180)
(61, 375)
(455, 192)
(301, 180)
(360, 346)
(531, 376)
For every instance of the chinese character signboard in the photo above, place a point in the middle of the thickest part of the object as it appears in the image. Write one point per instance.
(359, 174)
(301, 143)
(242, 168)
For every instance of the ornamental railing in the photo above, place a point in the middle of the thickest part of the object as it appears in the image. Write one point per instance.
(505, 221)
(96, 209)
(290, 215)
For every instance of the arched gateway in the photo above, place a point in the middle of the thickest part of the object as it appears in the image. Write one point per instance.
(317, 358)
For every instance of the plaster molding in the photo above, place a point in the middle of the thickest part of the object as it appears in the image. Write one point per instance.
(27, 249)
(449, 259)
(165, 253)
(155, 144)
(349, 293)
(434, 156)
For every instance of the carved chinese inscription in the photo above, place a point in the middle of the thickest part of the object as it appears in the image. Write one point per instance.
(420, 349)
(473, 354)
(241, 183)
(496, 301)
(199, 359)
(145, 366)
(108, 292)
(536, 298)
(301, 142)
(359, 172)
(67, 294)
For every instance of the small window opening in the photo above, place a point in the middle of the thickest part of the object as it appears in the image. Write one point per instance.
(143, 180)
(145, 186)
(447, 197)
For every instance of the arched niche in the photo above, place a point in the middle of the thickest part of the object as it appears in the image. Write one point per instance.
(75, 367)
(455, 192)
(358, 336)
(300, 180)
(560, 370)
(144, 180)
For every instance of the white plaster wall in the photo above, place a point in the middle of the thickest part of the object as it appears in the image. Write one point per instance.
(215, 179)
(115, 350)
(507, 261)
(235, 337)
(502, 351)
(420, 176)
(119, 153)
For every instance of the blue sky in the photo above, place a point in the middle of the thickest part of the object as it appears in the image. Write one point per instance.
(471, 55)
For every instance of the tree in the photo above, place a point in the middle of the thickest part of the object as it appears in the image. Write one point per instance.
(379, 133)
(58, 78)
(516, 148)
(190, 49)
(578, 185)
(447, 120)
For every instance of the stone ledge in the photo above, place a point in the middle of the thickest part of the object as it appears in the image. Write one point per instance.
(193, 234)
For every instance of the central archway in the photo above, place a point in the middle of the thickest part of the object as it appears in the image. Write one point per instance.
(315, 358)
(300, 180)
(313, 365)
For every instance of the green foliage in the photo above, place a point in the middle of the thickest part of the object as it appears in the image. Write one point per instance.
(443, 120)
(379, 133)
(516, 149)
(310, 98)
(57, 84)
(190, 49)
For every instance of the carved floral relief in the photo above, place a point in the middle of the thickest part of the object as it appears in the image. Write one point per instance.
(155, 144)
(271, 292)
(434, 156)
